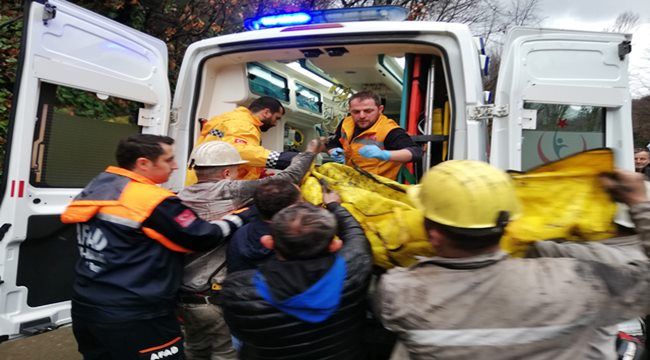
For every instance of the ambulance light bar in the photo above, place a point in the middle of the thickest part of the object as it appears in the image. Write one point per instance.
(371, 13)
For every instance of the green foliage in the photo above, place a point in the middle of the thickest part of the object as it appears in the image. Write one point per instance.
(80, 103)
(11, 27)
(641, 121)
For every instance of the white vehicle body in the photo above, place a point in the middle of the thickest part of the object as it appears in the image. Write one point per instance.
(53, 151)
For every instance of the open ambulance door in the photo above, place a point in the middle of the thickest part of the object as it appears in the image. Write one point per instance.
(564, 91)
(83, 83)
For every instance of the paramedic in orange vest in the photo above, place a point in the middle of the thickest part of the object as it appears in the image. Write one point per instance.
(132, 236)
(243, 128)
(372, 141)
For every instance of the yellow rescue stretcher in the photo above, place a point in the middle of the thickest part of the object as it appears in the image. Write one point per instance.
(561, 200)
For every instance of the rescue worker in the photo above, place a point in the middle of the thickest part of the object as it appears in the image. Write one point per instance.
(132, 235)
(243, 128)
(370, 140)
(474, 302)
(217, 194)
(309, 301)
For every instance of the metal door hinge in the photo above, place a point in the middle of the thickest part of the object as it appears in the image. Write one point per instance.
(49, 12)
(624, 48)
(484, 112)
(147, 117)
(173, 116)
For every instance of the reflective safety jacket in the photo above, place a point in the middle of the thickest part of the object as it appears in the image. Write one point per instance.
(496, 307)
(614, 251)
(131, 236)
(375, 135)
(242, 130)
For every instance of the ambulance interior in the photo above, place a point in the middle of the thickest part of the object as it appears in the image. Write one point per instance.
(314, 84)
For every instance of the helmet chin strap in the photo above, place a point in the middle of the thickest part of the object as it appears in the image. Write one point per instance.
(502, 219)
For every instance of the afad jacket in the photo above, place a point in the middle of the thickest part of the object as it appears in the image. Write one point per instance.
(131, 236)
(497, 307)
(375, 135)
(242, 130)
(310, 325)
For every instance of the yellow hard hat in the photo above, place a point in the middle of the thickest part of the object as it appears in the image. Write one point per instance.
(466, 194)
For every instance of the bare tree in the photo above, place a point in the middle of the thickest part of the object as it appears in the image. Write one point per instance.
(625, 22)
(485, 17)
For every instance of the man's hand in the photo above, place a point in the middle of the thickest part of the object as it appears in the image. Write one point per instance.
(246, 214)
(625, 186)
(315, 146)
(373, 151)
(330, 196)
(338, 155)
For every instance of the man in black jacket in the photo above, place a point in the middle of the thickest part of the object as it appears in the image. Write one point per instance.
(309, 301)
(245, 251)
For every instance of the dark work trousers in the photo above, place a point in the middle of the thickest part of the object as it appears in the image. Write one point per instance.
(158, 338)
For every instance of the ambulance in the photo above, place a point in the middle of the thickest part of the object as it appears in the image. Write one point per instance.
(85, 81)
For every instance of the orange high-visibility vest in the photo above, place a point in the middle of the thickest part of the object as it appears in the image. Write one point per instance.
(375, 135)
(136, 202)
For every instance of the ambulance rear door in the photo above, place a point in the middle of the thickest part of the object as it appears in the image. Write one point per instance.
(564, 91)
(83, 83)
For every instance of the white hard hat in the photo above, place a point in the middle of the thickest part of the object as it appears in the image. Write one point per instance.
(622, 216)
(215, 153)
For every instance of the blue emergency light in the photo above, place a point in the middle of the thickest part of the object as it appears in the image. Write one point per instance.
(370, 13)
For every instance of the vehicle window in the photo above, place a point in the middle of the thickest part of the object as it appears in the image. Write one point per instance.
(76, 135)
(308, 99)
(263, 81)
(560, 131)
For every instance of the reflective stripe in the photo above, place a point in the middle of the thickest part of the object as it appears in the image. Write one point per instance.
(225, 227)
(489, 337)
(234, 219)
(119, 220)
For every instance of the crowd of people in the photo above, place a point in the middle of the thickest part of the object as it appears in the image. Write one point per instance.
(255, 272)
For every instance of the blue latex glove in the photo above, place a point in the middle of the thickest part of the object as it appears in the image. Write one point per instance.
(338, 155)
(373, 151)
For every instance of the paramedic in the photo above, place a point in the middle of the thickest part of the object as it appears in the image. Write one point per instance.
(132, 235)
(472, 301)
(243, 128)
(372, 141)
(217, 194)
(308, 302)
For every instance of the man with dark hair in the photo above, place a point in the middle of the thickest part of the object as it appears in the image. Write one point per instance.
(266, 102)
(132, 148)
(245, 251)
(370, 140)
(243, 128)
(216, 194)
(308, 302)
(132, 235)
(472, 301)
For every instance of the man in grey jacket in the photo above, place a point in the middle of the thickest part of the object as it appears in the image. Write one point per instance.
(474, 302)
(216, 194)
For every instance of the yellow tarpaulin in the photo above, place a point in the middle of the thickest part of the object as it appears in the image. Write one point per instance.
(562, 199)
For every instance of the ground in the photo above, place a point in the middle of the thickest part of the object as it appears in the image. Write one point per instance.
(58, 344)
